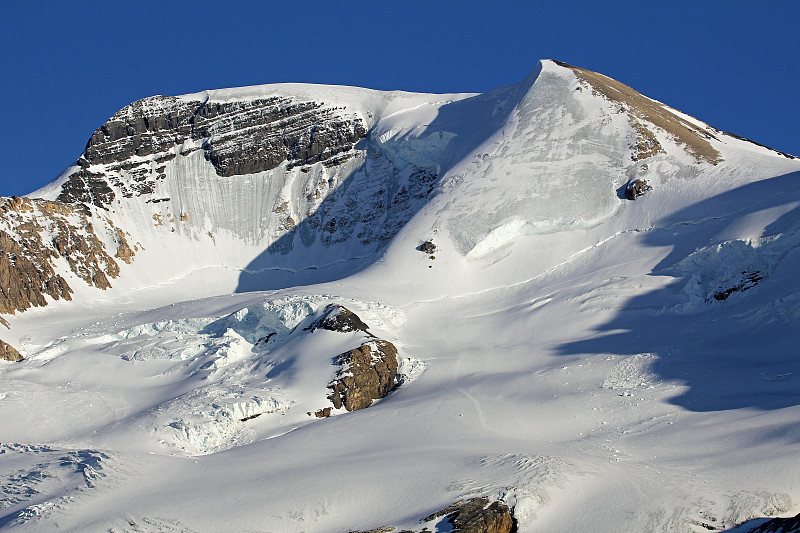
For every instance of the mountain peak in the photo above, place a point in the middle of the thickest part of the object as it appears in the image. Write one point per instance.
(383, 304)
(275, 172)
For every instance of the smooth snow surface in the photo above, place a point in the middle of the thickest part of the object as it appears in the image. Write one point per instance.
(566, 350)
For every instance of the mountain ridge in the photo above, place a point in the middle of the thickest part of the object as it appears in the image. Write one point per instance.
(129, 157)
(556, 306)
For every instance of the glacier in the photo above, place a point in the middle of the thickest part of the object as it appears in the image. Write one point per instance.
(592, 362)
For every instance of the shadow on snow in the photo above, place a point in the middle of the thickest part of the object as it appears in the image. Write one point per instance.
(737, 353)
(344, 235)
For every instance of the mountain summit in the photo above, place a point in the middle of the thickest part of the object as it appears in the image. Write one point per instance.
(555, 304)
(261, 183)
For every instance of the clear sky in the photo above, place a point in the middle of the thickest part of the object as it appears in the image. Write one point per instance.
(68, 66)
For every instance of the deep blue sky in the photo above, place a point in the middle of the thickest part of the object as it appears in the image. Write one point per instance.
(68, 66)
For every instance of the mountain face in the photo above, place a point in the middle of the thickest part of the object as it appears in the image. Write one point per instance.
(289, 180)
(237, 138)
(557, 287)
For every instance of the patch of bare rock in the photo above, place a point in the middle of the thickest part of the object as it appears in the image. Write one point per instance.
(364, 374)
(9, 353)
(637, 188)
(427, 247)
(339, 318)
(478, 515)
(34, 234)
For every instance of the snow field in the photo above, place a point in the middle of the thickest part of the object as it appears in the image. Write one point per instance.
(564, 351)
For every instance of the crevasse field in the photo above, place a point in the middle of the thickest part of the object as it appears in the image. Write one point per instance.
(567, 351)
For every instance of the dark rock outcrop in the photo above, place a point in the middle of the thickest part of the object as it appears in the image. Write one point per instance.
(9, 353)
(747, 281)
(478, 515)
(637, 188)
(339, 318)
(236, 137)
(366, 373)
(88, 188)
(779, 525)
(646, 144)
(427, 247)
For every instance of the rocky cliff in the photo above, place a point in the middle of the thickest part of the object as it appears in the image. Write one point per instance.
(366, 373)
(38, 238)
(237, 138)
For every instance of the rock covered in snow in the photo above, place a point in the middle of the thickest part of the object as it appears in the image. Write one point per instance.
(366, 373)
(332, 166)
(234, 373)
(427, 247)
(637, 188)
(338, 318)
(237, 138)
(478, 515)
(747, 281)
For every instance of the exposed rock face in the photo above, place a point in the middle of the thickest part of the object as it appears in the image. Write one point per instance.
(9, 353)
(237, 138)
(88, 188)
(478, 515)
(366, 373)
(124, 251)
(779, 525)
(325, 412)
(637, 188)
(34, 234)
(641, 108)
(339, 318)
(646, 144)
(427, 247)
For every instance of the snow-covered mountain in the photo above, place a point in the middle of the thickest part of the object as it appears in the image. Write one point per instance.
(315, 308)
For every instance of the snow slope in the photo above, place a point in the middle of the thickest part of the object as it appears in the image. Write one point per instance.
(597, 363)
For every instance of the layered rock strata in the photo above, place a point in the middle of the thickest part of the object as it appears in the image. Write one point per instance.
(237, 137)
